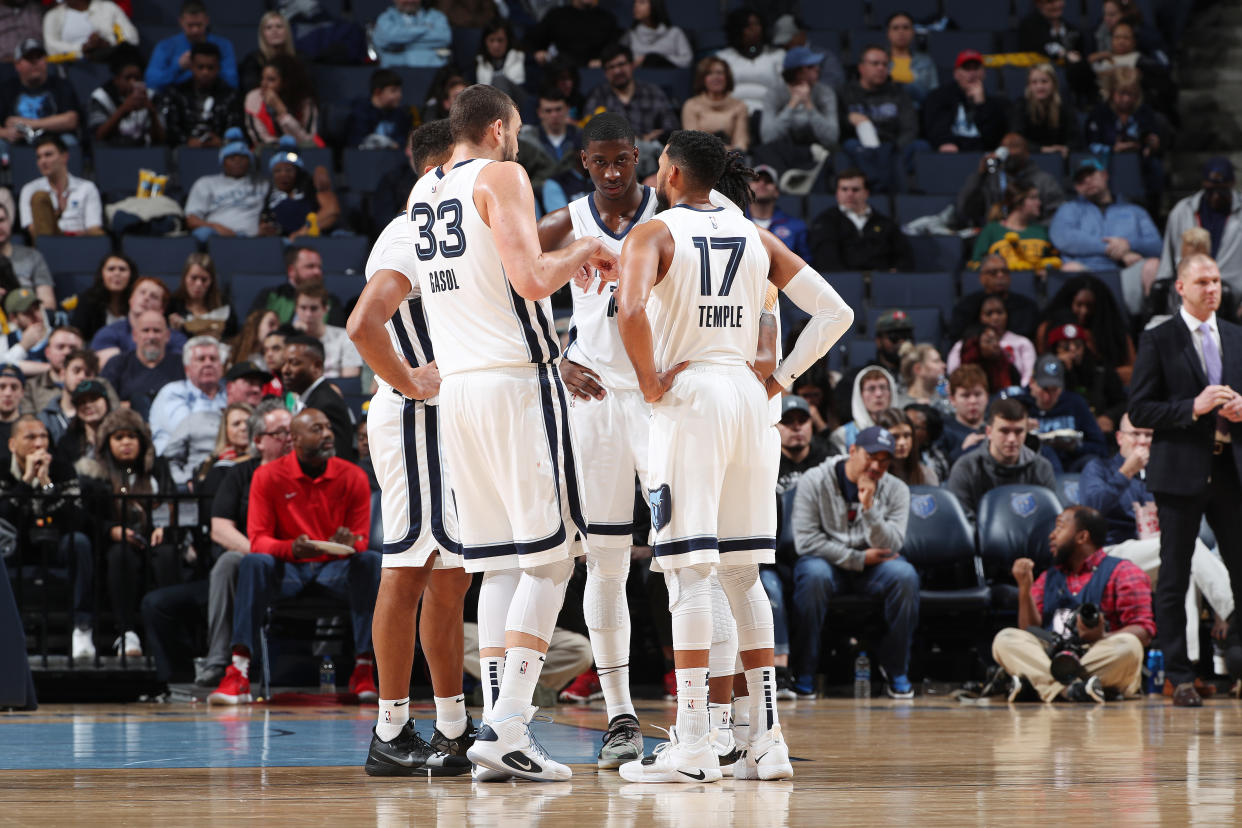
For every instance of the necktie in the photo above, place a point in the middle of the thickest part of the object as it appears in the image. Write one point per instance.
(1211, 362)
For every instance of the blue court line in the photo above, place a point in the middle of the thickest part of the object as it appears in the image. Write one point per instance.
(218, 742)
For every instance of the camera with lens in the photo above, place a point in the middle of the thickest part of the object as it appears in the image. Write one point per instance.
(1068, 640)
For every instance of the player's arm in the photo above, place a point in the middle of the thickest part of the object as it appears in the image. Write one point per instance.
(765, 352)
(555, 229)
(506, 202)
(830, 316)
(380, 300)
(645, 258)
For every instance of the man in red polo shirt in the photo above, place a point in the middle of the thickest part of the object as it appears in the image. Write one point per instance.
(306, 497)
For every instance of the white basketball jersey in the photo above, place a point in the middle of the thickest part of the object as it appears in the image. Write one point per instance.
(707, 307)
(394, 250)
(475, 318)
(594, 341)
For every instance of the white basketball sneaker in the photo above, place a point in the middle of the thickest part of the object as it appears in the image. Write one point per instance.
(507, 746)
(481, 774)
(729, 750)
(677, 761)
(771, 756)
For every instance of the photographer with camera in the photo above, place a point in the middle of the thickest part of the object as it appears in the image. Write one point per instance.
(1059, 649)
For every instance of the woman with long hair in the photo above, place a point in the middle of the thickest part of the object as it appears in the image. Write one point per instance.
(283, 104)
(275, 37)
(448, 83)
(922, 373)
(1088, 303)
(981, 346)
(72, 419)
(756, 66)
(1041, 116)
(107, 299)
(247, 346)
(1017, 349)
(197, 305)
(713, 108)
(499, 56)
(232, 446)
(1015, 233)
(654, 40)
(906, 465)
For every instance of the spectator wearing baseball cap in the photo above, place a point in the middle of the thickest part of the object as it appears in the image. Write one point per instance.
(800, 113)
(961, 116)
(1217, 208)
(1088, 375)
(230, 203)
(849, 521)
(1068, 431)
(891, 330)
(28, 329)
(296, 193)
(12, 389)
(765, 189)
(48, 103)
(852, 235)
(801, 449)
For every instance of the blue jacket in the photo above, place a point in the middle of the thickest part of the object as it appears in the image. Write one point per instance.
(1079, 227)
(1070, 412)
(1104, 488)
(792, 231)
(163, 71)
(411, 39)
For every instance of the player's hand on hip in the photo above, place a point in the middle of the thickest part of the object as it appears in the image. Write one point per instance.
(581, 381)
(773, 387)
(1212, 397)
(424, 381)
(665, 380)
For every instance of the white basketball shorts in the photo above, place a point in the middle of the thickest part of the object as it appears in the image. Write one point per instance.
(614, 431)
(507, 436)
(415, 498)
(711, 487)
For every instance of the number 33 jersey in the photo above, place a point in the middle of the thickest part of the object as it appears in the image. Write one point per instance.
(476, 319)
(706, 309)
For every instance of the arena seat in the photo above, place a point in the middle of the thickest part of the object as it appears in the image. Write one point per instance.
(341, 254)
(1014, 522)
(244, 288)
(466, 40)
(939, 543)
(313, 615)
(1051, 163)
(192, 163)
(859, 351)
(116, 168)
(836, 16)
(937, 252)
(909, 206)
(238, 254)
(363, 169)
(1020, 281)
(928, 290)
(1067, 488)
(345, 287)
(852, 287)
(923, 11)
(928, 326)
(73, 254)
(978, 15)
(944, 173)
(159, 254)
(945, 46)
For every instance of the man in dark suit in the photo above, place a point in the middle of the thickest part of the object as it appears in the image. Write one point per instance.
(302, 374)
(1183, 388)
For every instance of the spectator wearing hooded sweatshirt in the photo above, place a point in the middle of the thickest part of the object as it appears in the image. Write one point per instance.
(874, 391)
(1005, 460)
(1217, 208)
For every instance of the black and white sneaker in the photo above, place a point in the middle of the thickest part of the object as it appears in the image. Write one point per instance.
(506, 745)
(1091, 690)
(410, 755)
(623, 742)
(456, 746)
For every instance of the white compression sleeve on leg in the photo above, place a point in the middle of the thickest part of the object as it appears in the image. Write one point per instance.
(830, 319)
(722, 659)
(690, 605)
(495, 595)
(751, 606)
(537, 599)
(604, 607)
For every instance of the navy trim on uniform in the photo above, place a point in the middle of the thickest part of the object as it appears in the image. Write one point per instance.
(440, 169)
(748, 544)
(550, 340)
(435, 477)
(496, 550)
(523, 318)
(700, 209)
(403, 338)
(633, 222)
(418, 319)
(573, 337)
(414, 492)
(610, 528)
(681, 547)
(571, 465)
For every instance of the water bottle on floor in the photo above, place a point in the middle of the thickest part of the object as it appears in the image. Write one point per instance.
(862, 676)
(327, 676)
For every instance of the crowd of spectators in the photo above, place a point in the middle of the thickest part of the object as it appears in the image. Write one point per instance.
(149, 384)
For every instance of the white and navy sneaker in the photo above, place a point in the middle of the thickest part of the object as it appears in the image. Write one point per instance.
(676, 761)
(768, 756)
(507, 746)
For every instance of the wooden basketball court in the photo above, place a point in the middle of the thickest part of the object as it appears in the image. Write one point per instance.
(931, 761)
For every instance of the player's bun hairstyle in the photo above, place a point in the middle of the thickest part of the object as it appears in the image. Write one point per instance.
(431, 143)
(608, 126)
(734, 182)
(476, 109)
(700, 156)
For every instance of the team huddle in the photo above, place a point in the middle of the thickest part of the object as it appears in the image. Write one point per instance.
(496, 453)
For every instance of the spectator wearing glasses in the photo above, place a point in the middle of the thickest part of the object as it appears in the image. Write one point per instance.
(891, 330)
(994, 280)
(874, 392)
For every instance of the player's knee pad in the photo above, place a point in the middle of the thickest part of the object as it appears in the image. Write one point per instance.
(538, 597)
(690, 605)
(603, 601)
(751, 608)
(722, 658)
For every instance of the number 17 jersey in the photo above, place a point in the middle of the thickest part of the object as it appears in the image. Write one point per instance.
(476, 319)
(706, 309)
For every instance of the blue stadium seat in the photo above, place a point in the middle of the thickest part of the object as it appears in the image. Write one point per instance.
(1020, 281)
(937, 252)
(153, 12)
(853, 289)
(23, 167)
(366, 11)
(346, 83)
(193, 163)
(233, 254)
(1072, 15)
(944, 173)
(674, 82)
(695, 15)
(928, 326)
(817, 203)
(341, 254)
(245, 287)
(363, 169)
(909, 206)
(344, 287)
(940, 544)
(859, 351)
(73, 254)
(923, 11)
(926, 290)
(945, 46)
(1067, 488)
(1051, 163)
(159, 255)
(466, 40)
(859, 39)
(85, 77)
(116, 168)
(837, 16)
(72, 284)
(1014, 522)
(822, 40)
(794, 206)
(979, 15)
(244, 37)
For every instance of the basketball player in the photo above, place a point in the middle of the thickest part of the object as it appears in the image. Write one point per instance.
(503, 419)
(705, 271)
(421, 558)
(608, 414)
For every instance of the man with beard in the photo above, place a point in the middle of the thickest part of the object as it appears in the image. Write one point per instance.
(138, 375)
(1082, 573)
(298, 502)
(1007, 167)
(302, 375)
(763, 211)
(1216, 208)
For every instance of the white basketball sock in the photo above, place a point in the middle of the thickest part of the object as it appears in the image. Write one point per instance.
(720, 715)
(451, 715)
(393, 714)
(761, 682)
(615, 682)
(522, 668)
(491, 668)
(692, 719)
